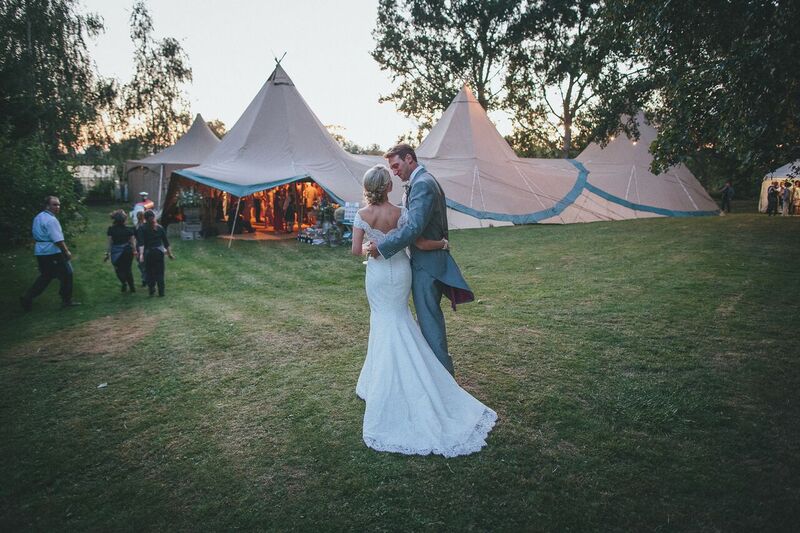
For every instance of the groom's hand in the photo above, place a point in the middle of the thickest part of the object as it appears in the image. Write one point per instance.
(373, 250)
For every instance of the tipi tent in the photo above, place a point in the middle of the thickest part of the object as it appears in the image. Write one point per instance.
(484, 179)
(278, 140)
(152, 173)
(780, 175)
(620, 183)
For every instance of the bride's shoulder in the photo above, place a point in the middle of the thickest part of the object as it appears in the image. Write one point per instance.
(366, 211)
(366, 214)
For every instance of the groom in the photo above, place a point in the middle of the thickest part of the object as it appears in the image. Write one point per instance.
(434, 272)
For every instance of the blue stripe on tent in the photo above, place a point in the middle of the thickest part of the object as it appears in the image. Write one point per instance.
(530, 218)
(242, 190)
(639, 207)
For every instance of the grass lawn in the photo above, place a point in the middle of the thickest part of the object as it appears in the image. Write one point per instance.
(645, 374)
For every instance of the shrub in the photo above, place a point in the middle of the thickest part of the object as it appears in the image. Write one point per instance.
(101, 192)
(27, 175)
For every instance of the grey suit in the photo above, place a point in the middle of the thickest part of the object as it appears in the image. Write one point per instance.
(434, 272)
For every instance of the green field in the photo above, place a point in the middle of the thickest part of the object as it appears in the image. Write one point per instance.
(645, 374)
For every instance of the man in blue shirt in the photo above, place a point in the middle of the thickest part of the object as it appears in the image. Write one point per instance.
(52, 255)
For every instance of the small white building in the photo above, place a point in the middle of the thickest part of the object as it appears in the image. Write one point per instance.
(89, 175)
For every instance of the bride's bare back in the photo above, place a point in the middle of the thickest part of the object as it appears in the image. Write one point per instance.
(382, 217)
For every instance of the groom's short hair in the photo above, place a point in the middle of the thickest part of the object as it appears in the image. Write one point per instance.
(401, 150)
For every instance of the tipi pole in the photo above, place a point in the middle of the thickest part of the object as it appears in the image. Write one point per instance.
(160, 185)
(235, 218)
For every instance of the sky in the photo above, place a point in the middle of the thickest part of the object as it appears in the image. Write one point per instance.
(232, 44)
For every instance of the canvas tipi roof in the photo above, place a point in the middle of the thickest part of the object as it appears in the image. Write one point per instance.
(483, 177)
(619, 175)
(191, 149)
(152, 174)
(277, 140)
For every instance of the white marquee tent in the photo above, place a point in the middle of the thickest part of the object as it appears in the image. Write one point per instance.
(780, 175)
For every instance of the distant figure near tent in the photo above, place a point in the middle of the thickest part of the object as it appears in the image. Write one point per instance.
(727, 195)
(143, 204)
(784, 173)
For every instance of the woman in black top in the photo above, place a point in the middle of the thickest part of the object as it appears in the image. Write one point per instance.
(120, 249)
(153, 244)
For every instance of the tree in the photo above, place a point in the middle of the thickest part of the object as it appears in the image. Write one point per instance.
(337, 132)
(564, 59)
(720, 80)
(28, 173)
(156, 109)
(432, 47)
(48, 87)
(218, 127)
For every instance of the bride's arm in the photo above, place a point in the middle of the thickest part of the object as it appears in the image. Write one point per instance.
(426, 244)
(358, 241)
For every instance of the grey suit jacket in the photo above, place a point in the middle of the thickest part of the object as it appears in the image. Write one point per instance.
(427, 217)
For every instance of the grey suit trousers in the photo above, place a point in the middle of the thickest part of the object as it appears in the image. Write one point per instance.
(427, 293)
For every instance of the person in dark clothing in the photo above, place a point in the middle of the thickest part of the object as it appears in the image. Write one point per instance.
(290, 209)
(257, 208)
(772, 199)
(239, 217)
(153, 244)
(121, 244)
(727, 196)
(137, 233)
(277, 206)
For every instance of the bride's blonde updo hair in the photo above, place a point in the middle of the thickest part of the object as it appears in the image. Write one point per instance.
(376, 183)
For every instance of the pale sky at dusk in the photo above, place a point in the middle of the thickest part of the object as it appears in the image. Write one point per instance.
(231, 45)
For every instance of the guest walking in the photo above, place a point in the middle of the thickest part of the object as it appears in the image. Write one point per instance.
(152, 247)
(52, 256)
(137, 229)
(121, 244)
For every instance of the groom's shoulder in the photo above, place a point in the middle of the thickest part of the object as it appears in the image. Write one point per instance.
(426, 173)
(426, 177)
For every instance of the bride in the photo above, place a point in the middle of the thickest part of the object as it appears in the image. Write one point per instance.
(414, 406)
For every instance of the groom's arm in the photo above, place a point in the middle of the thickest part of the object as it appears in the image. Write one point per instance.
(421, 203)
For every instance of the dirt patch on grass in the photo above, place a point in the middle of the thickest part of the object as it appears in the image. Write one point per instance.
(729, 359)
(109, 335)
(727, 307)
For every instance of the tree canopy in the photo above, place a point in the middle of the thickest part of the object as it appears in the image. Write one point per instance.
(719, 77)
(48, 86)
(432, 47)
(155, 107)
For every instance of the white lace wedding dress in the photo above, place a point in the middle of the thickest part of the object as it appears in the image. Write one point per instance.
(414, 406)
